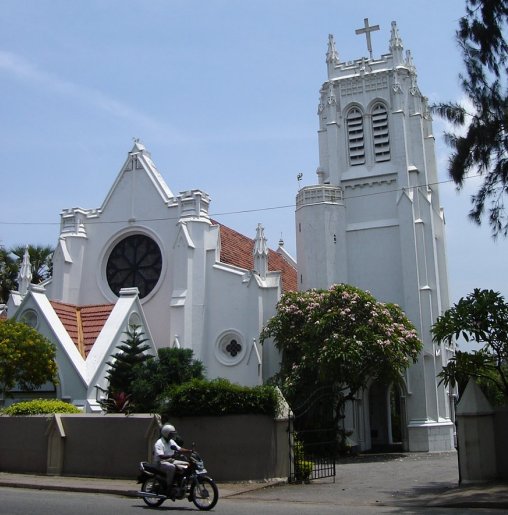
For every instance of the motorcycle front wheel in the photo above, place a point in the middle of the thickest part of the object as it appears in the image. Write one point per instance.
(204, 493)
(152, 486)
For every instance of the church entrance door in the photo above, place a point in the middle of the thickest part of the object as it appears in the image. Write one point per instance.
(387, 417)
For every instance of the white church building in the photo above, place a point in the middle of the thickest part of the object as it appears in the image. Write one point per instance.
(156, 259)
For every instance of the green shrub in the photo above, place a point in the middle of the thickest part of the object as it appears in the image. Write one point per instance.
(303, 470)
(218, 397)
(40, 407)
(303, 467)
(170, 367)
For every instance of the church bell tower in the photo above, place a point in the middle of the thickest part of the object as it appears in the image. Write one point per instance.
(374, 220)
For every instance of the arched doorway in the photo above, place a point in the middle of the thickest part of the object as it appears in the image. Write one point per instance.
(387, 417)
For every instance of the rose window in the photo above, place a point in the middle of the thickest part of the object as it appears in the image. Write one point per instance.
(136, 261)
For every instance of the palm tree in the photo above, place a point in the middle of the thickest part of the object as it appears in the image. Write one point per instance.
(8, 273)
(10, 260)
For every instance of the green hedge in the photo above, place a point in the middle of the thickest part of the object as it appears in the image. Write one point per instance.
(219, 397)
(40, 407)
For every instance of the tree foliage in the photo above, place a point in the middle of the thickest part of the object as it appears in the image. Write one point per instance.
(201, 397)
(342, 338)
(40, 407)
(483, 148)
(27, 359)
(155, 377)
(8, 273)
(481, 316)
(122, 371)
(41, 257)
(139, 382)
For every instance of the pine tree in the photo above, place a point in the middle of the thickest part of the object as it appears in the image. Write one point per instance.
(122, 371)
(156, 377)
(483, 148)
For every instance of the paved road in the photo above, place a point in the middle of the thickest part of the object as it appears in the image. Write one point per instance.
(15, 501)
(403, 483)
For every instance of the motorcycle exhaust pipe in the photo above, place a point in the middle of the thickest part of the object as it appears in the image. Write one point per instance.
(149, 494)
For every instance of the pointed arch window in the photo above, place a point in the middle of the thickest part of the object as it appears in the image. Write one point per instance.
(380, 133)
(355, 137)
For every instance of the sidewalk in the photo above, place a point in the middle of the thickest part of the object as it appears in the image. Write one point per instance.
(405, 480)
(126, 487)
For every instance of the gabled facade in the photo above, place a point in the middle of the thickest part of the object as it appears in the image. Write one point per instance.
(85, 338)
(374, 220)
(200, 285)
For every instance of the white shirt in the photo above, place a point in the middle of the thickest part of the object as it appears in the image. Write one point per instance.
(163, 447)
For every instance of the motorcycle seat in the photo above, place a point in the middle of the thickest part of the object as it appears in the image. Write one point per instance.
(148, 467)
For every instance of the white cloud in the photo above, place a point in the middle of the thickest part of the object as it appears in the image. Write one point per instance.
(19, 67)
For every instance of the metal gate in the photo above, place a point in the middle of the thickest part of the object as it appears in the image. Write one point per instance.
(313, 446)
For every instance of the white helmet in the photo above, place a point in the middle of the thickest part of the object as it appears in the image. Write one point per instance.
(168, 431)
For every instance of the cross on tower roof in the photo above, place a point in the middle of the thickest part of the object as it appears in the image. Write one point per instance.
(367, 30)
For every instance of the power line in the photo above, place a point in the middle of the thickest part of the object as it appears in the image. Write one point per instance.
(242, 211)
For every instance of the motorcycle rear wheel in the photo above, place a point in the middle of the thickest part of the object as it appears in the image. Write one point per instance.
(204, 493)
(152, 486)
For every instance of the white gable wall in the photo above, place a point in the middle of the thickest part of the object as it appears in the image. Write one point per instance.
(237, 307)
(71, 366)
(197, 301)
(127, 312)
(79, 376)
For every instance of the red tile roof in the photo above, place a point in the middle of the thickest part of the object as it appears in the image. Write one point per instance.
(83, 323)
(93, 319)
(236, 249)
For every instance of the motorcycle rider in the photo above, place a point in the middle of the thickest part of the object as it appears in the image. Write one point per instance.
(164, 450)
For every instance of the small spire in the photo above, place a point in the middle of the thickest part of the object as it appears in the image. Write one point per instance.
(396, 46)
(260, 252)
(331, 99)
(260, 245)
(412, 72)
(409, 61)
(138, 146)
(332, 56)
(395, 39)
(281, 241)
(25, 273)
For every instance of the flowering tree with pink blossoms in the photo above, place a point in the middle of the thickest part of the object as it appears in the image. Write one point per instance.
(342, 338)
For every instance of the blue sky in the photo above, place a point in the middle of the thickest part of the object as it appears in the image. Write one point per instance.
(224, 95)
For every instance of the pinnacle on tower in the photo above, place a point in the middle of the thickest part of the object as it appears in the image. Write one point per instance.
(396, 46)
(332, 56)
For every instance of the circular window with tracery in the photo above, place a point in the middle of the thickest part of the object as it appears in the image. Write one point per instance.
(136, 261)
(230, 348)
(30, 318)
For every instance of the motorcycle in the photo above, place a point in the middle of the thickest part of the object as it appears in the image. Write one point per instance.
(191, 481)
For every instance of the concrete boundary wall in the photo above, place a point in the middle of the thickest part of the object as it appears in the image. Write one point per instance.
(235, 448)
(481, 437)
